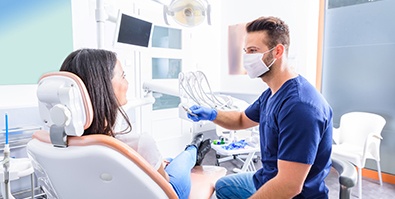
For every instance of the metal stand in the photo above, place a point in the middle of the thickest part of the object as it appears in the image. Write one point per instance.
(246, 156)
(6, 165)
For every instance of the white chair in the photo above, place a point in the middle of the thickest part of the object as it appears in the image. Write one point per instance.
(357, 139)
(69, 165)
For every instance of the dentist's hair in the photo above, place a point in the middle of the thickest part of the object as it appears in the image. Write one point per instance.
(276, 30)
(95, 67)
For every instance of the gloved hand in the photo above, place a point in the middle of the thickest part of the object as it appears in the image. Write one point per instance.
(202, 113)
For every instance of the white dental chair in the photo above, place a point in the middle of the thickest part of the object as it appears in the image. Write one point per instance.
(69, 165)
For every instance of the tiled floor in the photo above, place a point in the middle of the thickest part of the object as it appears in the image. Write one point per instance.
(371, 189)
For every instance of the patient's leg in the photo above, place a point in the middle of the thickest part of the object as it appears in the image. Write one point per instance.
(179, 170)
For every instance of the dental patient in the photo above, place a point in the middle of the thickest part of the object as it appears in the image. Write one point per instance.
(104, 78)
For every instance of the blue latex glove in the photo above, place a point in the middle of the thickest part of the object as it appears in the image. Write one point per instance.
(203, 113)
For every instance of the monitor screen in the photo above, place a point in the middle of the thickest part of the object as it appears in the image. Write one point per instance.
(133, 31)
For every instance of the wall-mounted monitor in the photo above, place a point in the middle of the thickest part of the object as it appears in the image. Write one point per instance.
(132, 31)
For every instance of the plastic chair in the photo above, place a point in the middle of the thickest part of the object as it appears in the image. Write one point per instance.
(357, 139)
(347, 177)
(69, 165)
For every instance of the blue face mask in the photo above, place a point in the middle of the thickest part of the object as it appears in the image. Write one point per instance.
(254, 64)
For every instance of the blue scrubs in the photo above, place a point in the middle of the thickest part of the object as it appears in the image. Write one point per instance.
(295, 125)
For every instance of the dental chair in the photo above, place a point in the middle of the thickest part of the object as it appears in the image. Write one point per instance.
(69, 165)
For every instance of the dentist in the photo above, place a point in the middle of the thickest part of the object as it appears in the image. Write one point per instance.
(295, 123)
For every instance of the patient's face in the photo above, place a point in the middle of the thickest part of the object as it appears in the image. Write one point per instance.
(120, 84)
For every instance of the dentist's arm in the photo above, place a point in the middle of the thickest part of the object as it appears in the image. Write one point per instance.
(282, 185)
(232, 120)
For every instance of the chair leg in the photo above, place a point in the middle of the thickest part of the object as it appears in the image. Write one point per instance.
(379, 172)
(360, 183)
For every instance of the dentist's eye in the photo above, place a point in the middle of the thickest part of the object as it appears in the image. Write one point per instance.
(250, 50)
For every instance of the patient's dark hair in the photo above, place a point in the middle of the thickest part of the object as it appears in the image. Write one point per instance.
(95, 67)
(276, 30)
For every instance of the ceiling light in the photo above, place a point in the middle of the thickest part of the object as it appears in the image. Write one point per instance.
(187, 13)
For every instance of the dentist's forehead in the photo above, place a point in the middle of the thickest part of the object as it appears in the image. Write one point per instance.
(255, 40)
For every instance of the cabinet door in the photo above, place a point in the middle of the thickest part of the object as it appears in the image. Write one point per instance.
(166, 62)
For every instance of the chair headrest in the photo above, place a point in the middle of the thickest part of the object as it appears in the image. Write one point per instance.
(64, 105)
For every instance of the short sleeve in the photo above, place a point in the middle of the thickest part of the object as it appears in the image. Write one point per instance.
(300, 130)
(253, 111)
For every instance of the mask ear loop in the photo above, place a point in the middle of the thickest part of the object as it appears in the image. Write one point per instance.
(271, 64)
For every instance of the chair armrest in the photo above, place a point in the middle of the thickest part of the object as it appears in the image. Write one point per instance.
(347, 176)
(336, 135)
(347, 172)
(372, 145)
(377, 136)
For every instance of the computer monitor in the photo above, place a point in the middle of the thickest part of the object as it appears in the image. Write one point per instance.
(132, 31)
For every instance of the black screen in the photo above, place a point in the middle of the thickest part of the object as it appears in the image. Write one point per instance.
(134, 31)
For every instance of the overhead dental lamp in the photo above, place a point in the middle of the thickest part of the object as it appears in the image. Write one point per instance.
(188, 13)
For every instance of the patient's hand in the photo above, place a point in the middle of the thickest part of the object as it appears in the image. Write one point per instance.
(162, 171)
(165, 163)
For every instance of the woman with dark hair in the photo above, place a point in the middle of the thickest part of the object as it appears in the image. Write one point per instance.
(104, 78)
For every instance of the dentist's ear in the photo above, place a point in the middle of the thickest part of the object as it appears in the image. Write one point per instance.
(280, 51)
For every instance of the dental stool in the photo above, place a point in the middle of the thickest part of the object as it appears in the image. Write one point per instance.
(69, 165)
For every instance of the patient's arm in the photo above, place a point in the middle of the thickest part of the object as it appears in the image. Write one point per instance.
(162, 172)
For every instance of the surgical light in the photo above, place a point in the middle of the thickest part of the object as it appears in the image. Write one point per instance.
(188, 13)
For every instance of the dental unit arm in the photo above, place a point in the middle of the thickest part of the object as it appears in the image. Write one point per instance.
(195, 89)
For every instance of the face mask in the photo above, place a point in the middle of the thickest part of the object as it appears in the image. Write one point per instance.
(254, 65)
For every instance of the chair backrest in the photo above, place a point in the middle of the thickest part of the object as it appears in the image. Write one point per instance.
(64, 105)
(94, 166)
(356, 126)
(347, 176)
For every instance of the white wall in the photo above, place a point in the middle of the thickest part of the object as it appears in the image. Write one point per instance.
(200, 52)
(302, 19)
(20, 103)
(205, 47)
